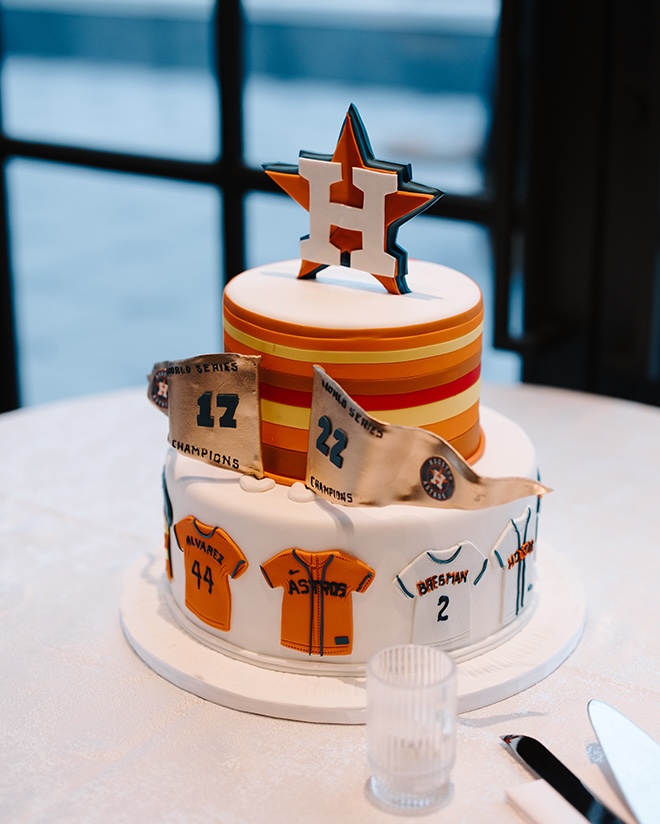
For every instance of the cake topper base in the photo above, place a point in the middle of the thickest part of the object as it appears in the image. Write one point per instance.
(542, 644)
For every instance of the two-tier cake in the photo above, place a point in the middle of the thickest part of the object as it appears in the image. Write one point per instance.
(332, 486)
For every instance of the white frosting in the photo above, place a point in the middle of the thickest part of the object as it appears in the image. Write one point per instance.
(250, 484)
(352, 299)
(386, 539)
(299, 493)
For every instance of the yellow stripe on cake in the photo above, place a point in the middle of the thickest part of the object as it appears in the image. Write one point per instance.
(360, 356)
(298, 417)
(431, 413)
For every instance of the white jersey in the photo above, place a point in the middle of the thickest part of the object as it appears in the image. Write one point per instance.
(441, 583)
(510, 556)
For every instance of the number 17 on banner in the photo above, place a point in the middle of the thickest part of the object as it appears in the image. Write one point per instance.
(212, 402)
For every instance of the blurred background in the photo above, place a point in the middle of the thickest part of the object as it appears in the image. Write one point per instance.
(133, 132)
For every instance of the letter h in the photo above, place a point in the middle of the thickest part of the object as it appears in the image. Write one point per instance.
(369, 220)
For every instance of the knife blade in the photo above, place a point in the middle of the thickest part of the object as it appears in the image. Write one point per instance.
(547, 766)
(634, 758)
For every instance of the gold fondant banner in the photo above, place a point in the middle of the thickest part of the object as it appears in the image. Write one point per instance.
(212, 402)
(356, 460)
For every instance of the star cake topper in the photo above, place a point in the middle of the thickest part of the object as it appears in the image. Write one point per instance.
(356, 204)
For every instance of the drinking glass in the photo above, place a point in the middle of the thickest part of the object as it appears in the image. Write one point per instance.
(411, 725)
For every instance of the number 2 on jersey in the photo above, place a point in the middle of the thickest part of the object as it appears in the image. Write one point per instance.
(443, 603)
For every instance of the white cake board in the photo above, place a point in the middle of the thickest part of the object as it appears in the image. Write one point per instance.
(540, 647)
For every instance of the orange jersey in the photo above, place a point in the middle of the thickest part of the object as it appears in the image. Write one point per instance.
(211, 558)
(317, 612)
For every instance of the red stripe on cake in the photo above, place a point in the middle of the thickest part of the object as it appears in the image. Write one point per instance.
(290, 397)
(404, 400)
(421, 397)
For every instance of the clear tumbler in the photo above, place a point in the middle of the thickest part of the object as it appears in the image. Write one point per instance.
(411, 725)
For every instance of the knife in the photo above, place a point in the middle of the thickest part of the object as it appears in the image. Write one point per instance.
(634, 758)
(541, 761)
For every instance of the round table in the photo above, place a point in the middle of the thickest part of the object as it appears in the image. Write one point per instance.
(90, 733)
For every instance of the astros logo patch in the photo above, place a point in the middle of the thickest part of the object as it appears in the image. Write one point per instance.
(437, 478)
(158, 389)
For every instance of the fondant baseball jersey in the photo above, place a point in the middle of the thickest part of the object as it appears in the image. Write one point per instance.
(317, 610)
(510, 556)
(211, 558)
(441, 584)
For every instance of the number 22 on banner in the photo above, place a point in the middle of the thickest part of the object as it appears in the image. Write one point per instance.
(340, 437)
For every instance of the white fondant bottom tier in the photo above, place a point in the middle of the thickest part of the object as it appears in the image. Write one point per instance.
(461, 580)
(540, 647)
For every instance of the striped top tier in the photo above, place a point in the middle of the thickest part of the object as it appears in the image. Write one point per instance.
(413, 359)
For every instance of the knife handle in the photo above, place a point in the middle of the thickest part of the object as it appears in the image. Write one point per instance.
(547, 766)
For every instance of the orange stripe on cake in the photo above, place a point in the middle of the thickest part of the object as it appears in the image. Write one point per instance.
(412, 351)
(288, 460)
(379, 386)
(286, 437)
(452, 428)
(284, 464)
(276, 325)
(471, 444)
(357, 369)
(352, 339)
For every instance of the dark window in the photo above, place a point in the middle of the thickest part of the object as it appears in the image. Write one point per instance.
(542, 124)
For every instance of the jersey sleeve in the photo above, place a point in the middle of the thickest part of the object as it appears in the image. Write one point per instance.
(274, 569)
(405, 582)
(181, 530)
(237, 563)
(356, 573)
(367, 578)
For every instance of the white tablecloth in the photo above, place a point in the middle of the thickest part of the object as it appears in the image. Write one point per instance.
(90, 733)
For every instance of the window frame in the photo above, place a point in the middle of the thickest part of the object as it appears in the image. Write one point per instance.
(537, 42)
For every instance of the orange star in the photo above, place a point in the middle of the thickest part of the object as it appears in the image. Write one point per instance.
(353, 151)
